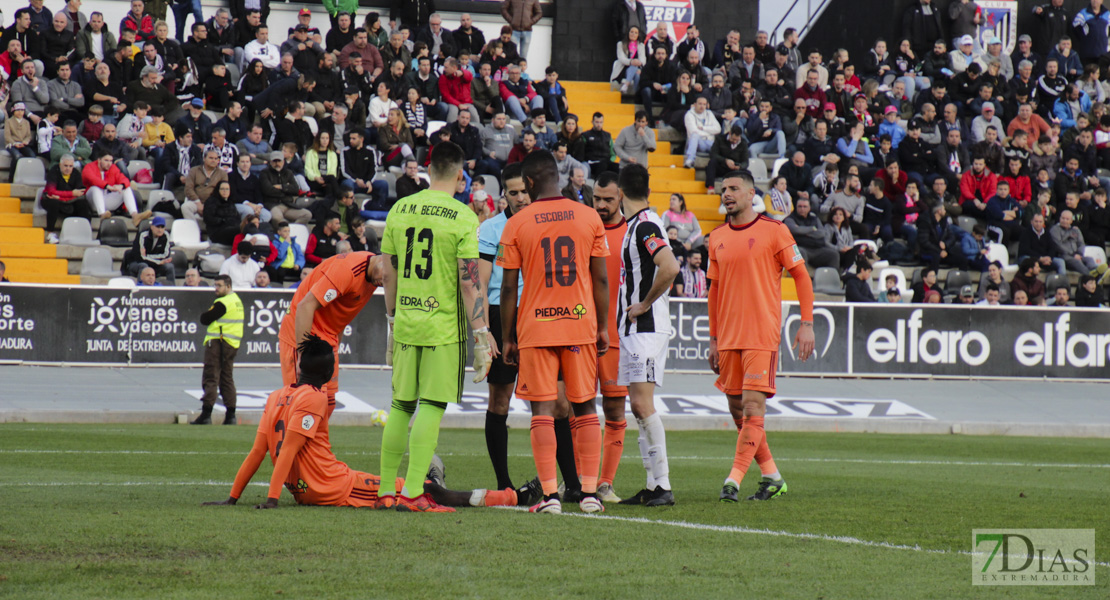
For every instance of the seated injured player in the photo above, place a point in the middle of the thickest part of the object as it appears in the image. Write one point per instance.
(294, 431)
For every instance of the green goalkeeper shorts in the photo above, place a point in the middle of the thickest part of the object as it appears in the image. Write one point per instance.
(428, 372)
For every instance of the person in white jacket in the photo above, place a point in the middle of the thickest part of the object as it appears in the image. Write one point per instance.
(631, 57)
(701, 128)
(262, 49)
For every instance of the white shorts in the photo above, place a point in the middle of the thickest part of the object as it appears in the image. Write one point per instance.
(643, 357)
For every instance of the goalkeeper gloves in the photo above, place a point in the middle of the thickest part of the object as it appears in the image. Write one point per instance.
(389, 342)
(483, 355)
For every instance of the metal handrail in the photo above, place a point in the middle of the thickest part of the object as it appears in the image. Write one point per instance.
(809, 8)
(775, 31)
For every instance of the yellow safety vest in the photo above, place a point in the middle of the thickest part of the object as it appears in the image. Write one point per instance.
(230, 326)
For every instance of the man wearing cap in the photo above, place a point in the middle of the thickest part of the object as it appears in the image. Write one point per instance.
(967, 295)
(262, 49)
(987, 119)
(279, 191)
(306, 52)
(304, 17)
(197, 122)
(221, 343)
(965, 16)
(1090, 27)
(1024, 51)
(153, 249)
(964, 54)
(994, 53)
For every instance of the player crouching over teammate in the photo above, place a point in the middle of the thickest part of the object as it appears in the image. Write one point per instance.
(746, 258)
(294, 430)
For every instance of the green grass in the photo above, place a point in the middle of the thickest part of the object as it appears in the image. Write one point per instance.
(69, 528)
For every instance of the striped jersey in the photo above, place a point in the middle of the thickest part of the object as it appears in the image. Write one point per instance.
(644, 238)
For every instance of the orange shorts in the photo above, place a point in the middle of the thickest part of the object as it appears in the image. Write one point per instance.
(540, 368)
(748, 370)
(608, 365)
(365, 491)
(287, 356)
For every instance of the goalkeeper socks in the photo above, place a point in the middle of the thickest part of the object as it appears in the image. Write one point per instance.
(394, 439)
(763, 457)
(543, 451)
(613, 445)
(588, 450)
(497, 444)
(749, 440)
(499, 498)
(423, 441)
(656, 439)
(564, 453)
(645, 457)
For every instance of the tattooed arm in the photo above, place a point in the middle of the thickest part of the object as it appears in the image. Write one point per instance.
(474, 295)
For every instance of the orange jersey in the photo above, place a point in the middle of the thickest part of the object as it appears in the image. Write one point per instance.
(614, 236)
(747, 262)
(552, 241)
(316, 477)
(339, 285)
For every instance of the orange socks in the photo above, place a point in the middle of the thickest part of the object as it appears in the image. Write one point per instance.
(748, 442)
(587, 450)
(614, 448)
(543, 451)
(574, 425)
(763, 456)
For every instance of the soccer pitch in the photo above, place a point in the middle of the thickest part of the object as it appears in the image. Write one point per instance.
(113, 511)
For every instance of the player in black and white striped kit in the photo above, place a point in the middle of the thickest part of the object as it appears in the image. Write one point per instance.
(648, 267)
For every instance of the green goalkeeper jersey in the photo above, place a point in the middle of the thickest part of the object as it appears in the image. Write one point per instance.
(428, 232)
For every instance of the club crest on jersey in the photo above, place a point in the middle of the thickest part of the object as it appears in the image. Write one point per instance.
(330, 295)
(307, 422)
(413, 303)
(653, 243)
(797, 254)
(560, 313)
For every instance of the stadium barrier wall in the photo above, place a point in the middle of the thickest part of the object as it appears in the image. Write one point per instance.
(159, 325)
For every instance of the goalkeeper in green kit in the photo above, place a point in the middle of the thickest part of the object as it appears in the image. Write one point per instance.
(432, 290)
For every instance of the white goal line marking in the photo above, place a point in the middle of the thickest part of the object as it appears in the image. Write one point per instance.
(626, 457)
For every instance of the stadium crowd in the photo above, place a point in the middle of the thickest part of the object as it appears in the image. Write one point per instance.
(933, 146)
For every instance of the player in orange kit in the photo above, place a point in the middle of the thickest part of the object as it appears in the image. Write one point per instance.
(293, 430)
(561, 323)
(607, 203)
(325, 303)
(746, 258)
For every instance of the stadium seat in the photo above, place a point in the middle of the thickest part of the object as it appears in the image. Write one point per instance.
(97, 262)
(779, 162)
(186, 234)
(133, 168)
(122, 282)
(1000, 253)
(77, 231)
(434, 126)
(916, 278)
(113, 232)
(300, 235)
(180, 261)
(758, 169)
(493, 186)
(38, 209)
(157, 196)
(209, 263)
(871, 245)
(966, 223)
(901, 277)
(956, 280)
(1097, 253)
(30, 171)
(391, 183)
(827, 281)
(1055, 281)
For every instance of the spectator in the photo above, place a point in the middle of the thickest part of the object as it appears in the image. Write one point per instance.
(221, 215)
(1026, 282)
(852, 148)
(977, 186)
(521, 15)
(454, 89)
(359, 168)
(719, 96)
(246, 191)
(268, 54)
(200, 184)
(1090, 28)
(152, 249)
(342, 31)
(598, 148)
(684, 220)
(289, 258)
(109, 143)
(1070, 105)
(777, 201)
(30, 90)
(469, 38)
(156, 136)
(938, 241)
(395, 139)
(631, 58)
(1052, 23)
(1004, 214)
(691, 281)
(656, 79)
(17, 134)
(517, 93)
(635, 141)
(545, 134)
(992, 276)
(64, 196)
(1036, 243)
(197, 122)
(702, 128)
(65, 93)
(1089, 293)
(497, 143)
(323, 240)
(439, 41)
(1028, 121)
(809, 233)
(241, 268)
(813, 94)
(1070, 245)
(94, 38)
(427, 83)
(577, 190)
(192, 278)
(228, 152)
(1062, 297)
(411, 182)
(921, 22)
(524, 148)
(322, 167)
(565, 163)
(877, 212)
(991, 296)
(178, 159)
(280, 192)
(147, 277)
(485, 92)
(927, 285)
(108, 189)
(966, 296)
(857, 286)
(849, 199)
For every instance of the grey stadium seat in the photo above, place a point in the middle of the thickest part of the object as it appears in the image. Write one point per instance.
(827, 281)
